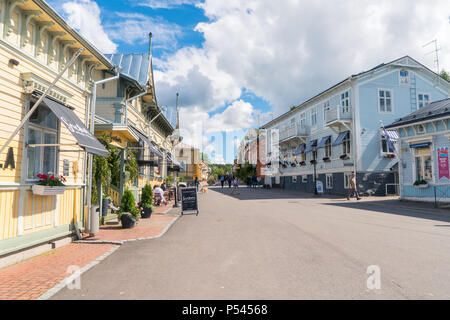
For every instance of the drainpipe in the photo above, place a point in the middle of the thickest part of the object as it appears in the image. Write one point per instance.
(131, 99)
(93, 105)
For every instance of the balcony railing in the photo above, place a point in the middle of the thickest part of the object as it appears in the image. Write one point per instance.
(338, 114)
(294, 131)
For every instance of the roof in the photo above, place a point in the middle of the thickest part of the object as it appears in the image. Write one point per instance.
(85, 43)
(437, 109)
(358, 75)
(135, 66)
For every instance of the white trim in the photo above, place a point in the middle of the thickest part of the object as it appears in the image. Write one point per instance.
(423, 94)
(408, 84)
(434, 85)
(392, 100)
(327, 179)
(382, 74)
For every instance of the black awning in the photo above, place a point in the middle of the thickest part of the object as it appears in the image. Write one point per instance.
(85, 139)
(340, 138)
(140, 135)
(323, 142)
(155, 150)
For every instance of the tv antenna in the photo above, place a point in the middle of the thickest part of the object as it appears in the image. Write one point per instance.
(435, 51)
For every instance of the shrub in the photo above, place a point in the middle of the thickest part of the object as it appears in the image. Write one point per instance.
(147, 196)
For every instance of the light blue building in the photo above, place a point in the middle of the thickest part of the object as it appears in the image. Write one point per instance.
(423, 150)
(341, 129)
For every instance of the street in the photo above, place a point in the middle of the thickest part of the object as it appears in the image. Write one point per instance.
(272, 244)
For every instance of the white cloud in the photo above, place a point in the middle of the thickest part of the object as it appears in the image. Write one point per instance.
(84, 16)
(133, 28)
(288, 51)
(166, 4)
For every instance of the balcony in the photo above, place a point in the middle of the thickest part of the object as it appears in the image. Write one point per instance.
(294, 132)
(339, 117)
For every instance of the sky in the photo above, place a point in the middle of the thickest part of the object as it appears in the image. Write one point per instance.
(238, 64)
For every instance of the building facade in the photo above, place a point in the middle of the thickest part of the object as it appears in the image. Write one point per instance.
(423, 149)
(338, 131)
(35, 46)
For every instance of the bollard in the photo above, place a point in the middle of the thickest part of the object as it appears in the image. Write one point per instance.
(93, 220)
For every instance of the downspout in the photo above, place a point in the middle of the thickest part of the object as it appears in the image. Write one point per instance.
(94, 103)
(131, 99)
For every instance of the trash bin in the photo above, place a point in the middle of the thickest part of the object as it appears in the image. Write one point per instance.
(94, 222)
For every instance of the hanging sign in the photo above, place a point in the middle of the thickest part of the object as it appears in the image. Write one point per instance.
(189, 201)
(443, 168)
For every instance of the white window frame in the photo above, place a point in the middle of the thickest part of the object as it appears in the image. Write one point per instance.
(379, 97)
(326, 107)
(305, 178)
(328, 149)
(418, 100)
(303, 122)
(314, 114)
(347, 177)
(433, 169)
(294, 179)
(329, 181)
(382, 152)
(347, 140)
(400, 78)
(345, 102)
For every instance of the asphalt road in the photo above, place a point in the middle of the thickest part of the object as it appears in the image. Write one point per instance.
(270, 244)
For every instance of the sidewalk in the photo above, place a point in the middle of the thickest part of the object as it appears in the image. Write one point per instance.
(44, 274)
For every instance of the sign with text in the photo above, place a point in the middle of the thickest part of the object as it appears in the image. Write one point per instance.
(443, 168)
(189, 201)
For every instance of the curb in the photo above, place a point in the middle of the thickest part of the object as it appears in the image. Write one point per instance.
(64, 282)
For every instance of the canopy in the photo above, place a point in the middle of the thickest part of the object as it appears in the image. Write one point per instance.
(340, 138)
(311, 144)
(393, 135)
(154, 149)
(420, 145)
(85, 139)
(300, 149)
(323, 142)
(140, 135)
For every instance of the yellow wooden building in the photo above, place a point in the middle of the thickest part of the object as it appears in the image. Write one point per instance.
(35, 45)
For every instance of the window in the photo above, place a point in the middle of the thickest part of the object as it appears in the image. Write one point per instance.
(385, 101)
(404, 77)
(347, 177)
(420, 129)
(305, 178)
(345, 101)
(423, 164)
(314, 117)
(327, 149)
(423, 100)
(42, 129)
(326, 107)
(303, 120)
(294, 179)
(329, 184)
(384, 145)
(346, 145)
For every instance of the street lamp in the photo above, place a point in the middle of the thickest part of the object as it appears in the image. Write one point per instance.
(314, 151)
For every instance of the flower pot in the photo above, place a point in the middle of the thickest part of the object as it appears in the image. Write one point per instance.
(105, 207)
(127, 222)
(146, 212)
(47, 190)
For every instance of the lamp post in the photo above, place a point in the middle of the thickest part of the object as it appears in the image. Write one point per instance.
(314, 151)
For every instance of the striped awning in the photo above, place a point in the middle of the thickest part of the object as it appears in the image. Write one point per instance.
(393, 135)
(301, 148)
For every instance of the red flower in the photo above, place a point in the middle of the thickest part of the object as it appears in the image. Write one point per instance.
(39, 176)
(44, 176)
(52, 178)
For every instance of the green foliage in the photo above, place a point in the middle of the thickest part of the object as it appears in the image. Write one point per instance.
(128, 205)
(147, 196)
(131, 165)
(420, 182)
(445, 75)
(181, 179)
(220, 169)
(293, 107)
(205, 157)
(246, 171)
(169, 180)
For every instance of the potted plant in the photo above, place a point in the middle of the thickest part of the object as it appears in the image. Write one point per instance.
(128, 213)
(49, 185)
(344, 157)
(303, 163)
(146, 201)
(313, 162)
(421, 183)
(105, 205)
(326, 159)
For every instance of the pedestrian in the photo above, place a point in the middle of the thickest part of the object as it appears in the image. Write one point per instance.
(254, 181)
(222, 180)
(196, 183)
(258, 181)
(230, 180)
(158, 194)
(352, 187)
(235, 186)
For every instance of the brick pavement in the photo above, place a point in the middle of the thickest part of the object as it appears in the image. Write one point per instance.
(29, 279)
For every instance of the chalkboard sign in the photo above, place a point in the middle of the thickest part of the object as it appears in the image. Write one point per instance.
(189, 200)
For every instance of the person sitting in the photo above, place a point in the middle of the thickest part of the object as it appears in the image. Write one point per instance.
(163, 186)
(158, 195)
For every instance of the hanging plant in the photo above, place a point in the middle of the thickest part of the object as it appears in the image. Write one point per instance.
(131, 166)
(101, 172)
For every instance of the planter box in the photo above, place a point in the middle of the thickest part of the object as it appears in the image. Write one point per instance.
(422, 186)
(47, 191)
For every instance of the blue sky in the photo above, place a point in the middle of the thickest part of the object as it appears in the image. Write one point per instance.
(237, 64)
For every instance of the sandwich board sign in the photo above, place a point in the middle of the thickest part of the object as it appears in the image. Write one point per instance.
(189, 200)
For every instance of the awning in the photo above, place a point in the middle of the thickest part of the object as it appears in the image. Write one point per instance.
(420, 145)
(140, 135)
(340, 138)
(393, 135)
(300, 149)
(85, 139)
(311, 144)
(323, 142)
(155, 150)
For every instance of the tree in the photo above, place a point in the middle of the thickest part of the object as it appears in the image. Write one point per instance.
(445, 75)
(205, 157)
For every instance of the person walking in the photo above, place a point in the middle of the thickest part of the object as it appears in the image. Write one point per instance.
(230, 180)
(254, 181)
(235, 186)
(222, 180)
(352, 187)
(258, 181)
(196, 183)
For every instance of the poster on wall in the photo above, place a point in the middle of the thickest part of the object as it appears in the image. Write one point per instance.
(443, 168)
